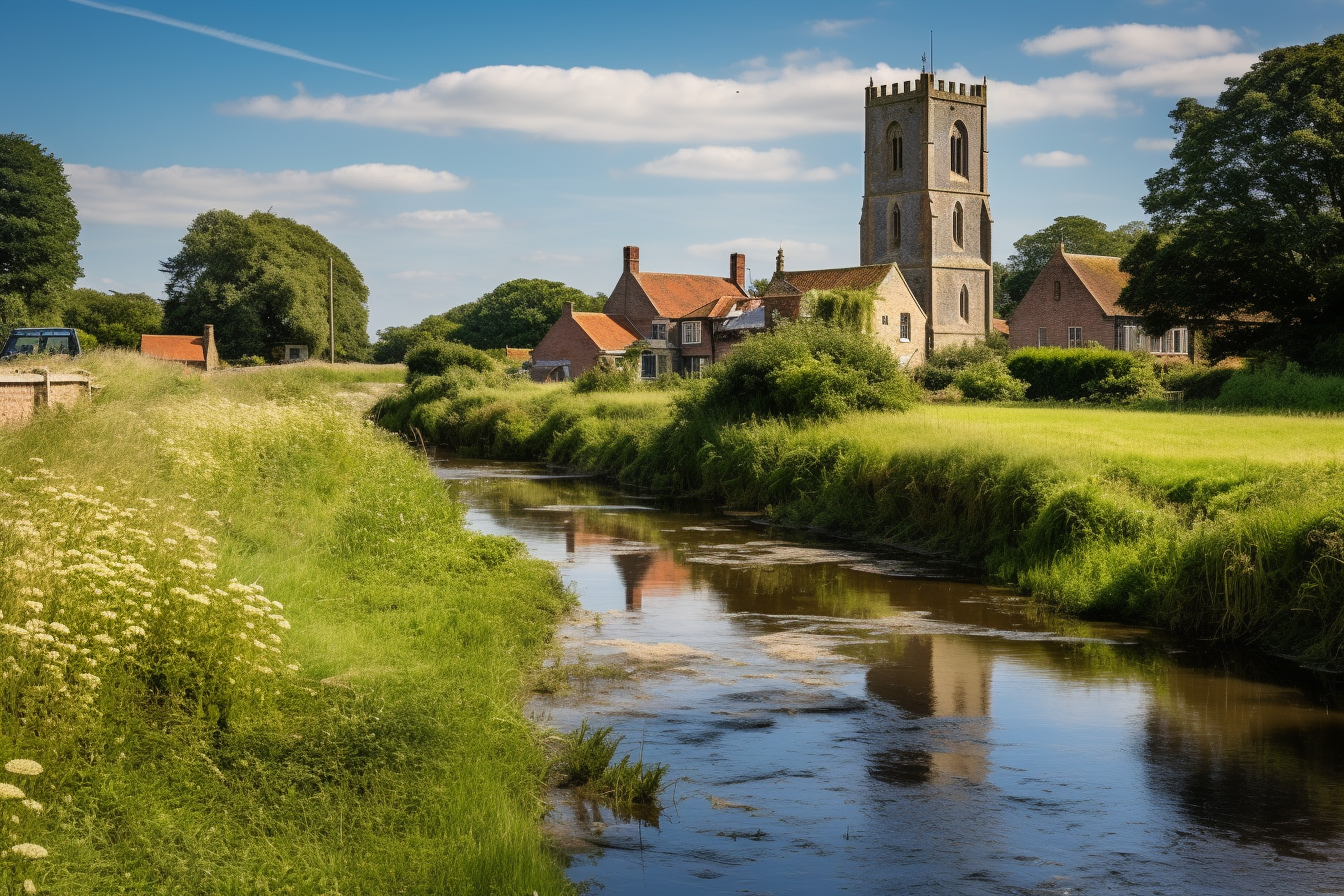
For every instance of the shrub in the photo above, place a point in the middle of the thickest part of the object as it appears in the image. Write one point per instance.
(605, 376)
(250, 361)
(989, 381)
(1084, 374)
(848, 309)
(942, 364)
(803, 369)
(1196, 380)
(1283, 386)
(435, 356)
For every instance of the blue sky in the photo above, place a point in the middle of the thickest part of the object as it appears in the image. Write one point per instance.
(450, 147)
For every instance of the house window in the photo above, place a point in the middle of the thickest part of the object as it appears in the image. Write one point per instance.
(1057, 291)
(648, 366)
(1075, 337)
(905, 328)
(690, 332)
(957, 224)
(693, 367)
(960, 152)
(1180, 341)
(1040, 338)
(965, 304)
(894, 235)
(658, 331)
(884, 320)
(1129, 339)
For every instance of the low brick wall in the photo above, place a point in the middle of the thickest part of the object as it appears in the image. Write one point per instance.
(21, 394)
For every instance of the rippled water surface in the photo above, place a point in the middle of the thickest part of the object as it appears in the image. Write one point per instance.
(838, 719)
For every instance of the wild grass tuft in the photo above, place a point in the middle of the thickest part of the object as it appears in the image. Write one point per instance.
(585, 762)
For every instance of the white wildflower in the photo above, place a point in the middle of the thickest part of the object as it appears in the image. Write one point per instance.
(200, 599)
(58, 627)
(29, 887)
(135, 630)
(33, 805)
(89, 679)
(34, 605)
(188, 563)
(28, 850)
(10, 792)
(23, 767)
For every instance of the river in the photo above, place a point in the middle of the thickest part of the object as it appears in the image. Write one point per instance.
(839, 718)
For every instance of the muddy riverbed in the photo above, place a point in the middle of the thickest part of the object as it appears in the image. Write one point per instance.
(839, 719)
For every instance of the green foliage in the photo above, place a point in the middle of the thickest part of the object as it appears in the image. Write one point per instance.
(848, 309)
(262, 281)
(39, 234)
(803, 370)
(394, 342)
(989, 381)
(435, 357)
(518, 313)
(585, 761)
(117, 318)
(87, 341)
(760, 285)
(1079, 234)
(606, 376)
(1282, 386)
(1248, 239)
(943, 363)
(1084, 374)
(1199, 382)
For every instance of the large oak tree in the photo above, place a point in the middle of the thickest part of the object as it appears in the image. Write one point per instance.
(39, 233)
(1077, 233)
(1248, 227)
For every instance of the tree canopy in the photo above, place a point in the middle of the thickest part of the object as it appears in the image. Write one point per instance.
(39, 233)
(1085, 236)
(117, 318)
(518, 313)
(1248, 238)
(262, 281)
(394, 342)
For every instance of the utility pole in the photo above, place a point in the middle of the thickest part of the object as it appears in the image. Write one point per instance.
(331, 304)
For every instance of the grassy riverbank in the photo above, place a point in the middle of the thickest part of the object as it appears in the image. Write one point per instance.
(1220, 525)
(164, 536)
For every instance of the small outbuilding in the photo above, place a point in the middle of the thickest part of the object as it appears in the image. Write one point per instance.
(576, 342)
(190, 351)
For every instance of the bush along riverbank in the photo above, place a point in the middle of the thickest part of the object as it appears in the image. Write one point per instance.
(1217, 525)
(253, 649)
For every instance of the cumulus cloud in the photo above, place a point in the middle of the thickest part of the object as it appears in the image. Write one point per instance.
(834, 27)
(445, 219)
(1123, 46)
(737, 163)
(173, 196)
(1155, 144)
(797, 254)
(1186, 77)
(1057, 158)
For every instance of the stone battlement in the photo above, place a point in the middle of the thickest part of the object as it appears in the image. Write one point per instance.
(927, 85)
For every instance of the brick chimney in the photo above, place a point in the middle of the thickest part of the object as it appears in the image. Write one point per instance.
(632, 259)
(567, 309)
(208, 343)
(737, 269)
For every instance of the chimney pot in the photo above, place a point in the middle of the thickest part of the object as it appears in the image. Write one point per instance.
(632, 259)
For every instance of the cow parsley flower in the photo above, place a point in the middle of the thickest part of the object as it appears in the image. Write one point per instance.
(23, 767)
(10, 792)
(28, 850)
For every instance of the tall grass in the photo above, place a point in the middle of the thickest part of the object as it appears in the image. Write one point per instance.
(382, 749)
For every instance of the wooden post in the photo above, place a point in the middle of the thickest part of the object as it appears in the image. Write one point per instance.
(331, 303)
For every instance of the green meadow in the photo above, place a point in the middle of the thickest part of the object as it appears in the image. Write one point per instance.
(254, 650)
(1214, 524)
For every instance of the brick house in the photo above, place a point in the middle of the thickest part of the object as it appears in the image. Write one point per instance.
(574, 344)
(190, 351)
(1076, 300)
(899, 321)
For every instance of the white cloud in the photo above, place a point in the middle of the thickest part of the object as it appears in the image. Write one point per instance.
(1187, 77)
(797, 254)
(1122, 46)
(418, 275)
(1155, 144)
(172, 197)
(834, 27)
(241, 40)
(737, 163)
(446, 219)
(1057, 158)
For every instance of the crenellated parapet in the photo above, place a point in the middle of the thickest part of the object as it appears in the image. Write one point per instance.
(926, 86)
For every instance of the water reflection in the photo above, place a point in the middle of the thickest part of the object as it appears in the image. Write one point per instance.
(876, 730)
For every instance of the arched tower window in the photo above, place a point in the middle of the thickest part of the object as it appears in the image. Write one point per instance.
(960, 150)
(894, 234)
(896, 147)
(965, 303)
(957, 225)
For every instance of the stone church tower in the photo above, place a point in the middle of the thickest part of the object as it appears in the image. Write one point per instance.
(926, 200)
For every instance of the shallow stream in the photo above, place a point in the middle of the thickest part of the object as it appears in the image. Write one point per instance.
(838, 718)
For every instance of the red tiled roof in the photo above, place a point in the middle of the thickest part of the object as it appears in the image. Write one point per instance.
(518, 354)
(676, 295)
(610, 334)
(1103, 278)
(866, 276)
(716, 309)
(1001, 326)
(174, 348)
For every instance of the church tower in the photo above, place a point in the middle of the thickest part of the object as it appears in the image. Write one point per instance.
(926, 200)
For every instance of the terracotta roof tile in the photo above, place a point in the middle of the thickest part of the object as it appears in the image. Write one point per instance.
(1103, 278)
(676, 295)
(174, 348)
(518, 354)
(715, 309)
(610, 334)
(1001, 326)
(863, 277)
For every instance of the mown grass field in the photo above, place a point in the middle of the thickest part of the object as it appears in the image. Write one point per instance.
(392, 758)
(1215, 524)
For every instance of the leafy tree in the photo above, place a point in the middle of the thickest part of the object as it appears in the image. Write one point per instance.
(39, 233)
(394, 342)
(1248, 239)
(1079, 234)
(760, 285)
(518, 313)
(117, 318)
(262, 281)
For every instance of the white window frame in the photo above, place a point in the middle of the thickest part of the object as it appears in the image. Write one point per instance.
(1075, 337)
(1041, 337)
(905, 327)
(691, 334)
(658, 330)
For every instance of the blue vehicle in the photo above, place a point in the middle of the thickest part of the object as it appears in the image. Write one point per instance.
(25, 341)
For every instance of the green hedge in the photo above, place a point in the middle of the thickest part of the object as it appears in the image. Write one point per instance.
(1084, 374)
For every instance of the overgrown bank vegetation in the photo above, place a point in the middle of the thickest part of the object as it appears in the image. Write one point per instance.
(1221, 525)
(255, 650)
